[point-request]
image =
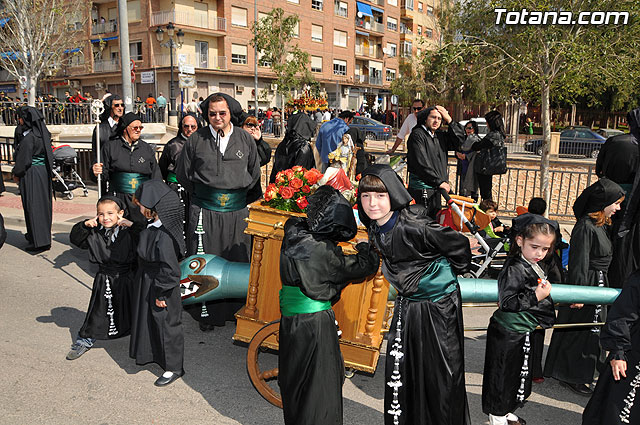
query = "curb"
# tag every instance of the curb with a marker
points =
(19, 222)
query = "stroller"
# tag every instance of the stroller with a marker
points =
(462, 215)
(66, 179)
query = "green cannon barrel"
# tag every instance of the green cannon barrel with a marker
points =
(486, 291)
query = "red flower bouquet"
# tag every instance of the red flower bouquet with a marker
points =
(290, 191)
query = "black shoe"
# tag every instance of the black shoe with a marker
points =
(163, 382)
(582, 389)
(206, 327)
(520, 421)
(35, 250)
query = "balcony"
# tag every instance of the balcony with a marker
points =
(370, 26)
(188, 19)
(368, 51)
(104, 28)
(367, 79)
(406, 52)
(215, 62)
(109, 65)
(405, 32)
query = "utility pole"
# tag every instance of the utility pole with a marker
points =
(125, 57)
(255, 51)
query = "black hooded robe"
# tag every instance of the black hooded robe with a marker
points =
(613, 402)
(574, 353)
(109, 312)
(295, 148)
(33, 164)
(507, 376)
(424, 371)
(310, 364)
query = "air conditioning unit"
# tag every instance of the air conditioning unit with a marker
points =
(345, 91)
(239, 89)
(99, 85)
(74, 84)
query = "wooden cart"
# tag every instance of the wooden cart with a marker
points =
(360, 312)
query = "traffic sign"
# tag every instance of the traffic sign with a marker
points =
(147, 77)
(187, 69)
(132, 65)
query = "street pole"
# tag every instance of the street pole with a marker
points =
(173, 114)
(125, 57)
(255, 51)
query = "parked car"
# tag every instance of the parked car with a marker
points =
(609, 132)
(372, 129)
(482, 126)
(574, 141)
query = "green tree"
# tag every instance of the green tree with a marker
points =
(274, 39)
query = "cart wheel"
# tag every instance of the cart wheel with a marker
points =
(258, 377)
(70, 195)
(349, 372)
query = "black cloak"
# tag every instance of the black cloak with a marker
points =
(295, 148)
(311, 369)
(34, 121)
(124, 122)
(597, 197)
(398, 194)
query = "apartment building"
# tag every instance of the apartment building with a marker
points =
(355, 47)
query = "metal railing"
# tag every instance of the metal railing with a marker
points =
(104, 27)
(370, 51)
(370, 26)
(213, 62)
(109, 65)
(189, 19)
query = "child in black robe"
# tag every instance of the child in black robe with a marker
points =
(112, 245)
(425, 352)
(156, 328)
(314, 270)
(524, 303)
(613, 400)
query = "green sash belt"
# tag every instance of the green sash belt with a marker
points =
(293, 301)
(221, 200)
(520, 322)
(37, 160)
(171, 177)
(416, 183)
(437, 282)
(127, 182)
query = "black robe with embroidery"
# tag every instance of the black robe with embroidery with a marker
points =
(156, 333)
(505, 353)
(311, 369)
(109, 312)
(295, 148)
(167, 164)
(432, 368)
(621, 337)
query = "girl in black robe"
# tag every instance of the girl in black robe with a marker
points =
(34, 161)
(574, 353)
(156, 328)
(112, 246)
(523, 291)
(314, 271)
(425, 353)
(613, 399)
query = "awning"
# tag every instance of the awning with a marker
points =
(3, 22)
(97, 40)
(77, 49)
(366, 34)
(364, 9)
(377, 9)
(9, 55)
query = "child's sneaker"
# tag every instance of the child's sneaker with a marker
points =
(76, 351)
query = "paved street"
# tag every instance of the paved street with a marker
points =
(43, 299)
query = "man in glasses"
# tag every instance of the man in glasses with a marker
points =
(127, 162)
(218, 165)
(113, 111)
(408, 124)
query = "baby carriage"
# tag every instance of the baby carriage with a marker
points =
(66, 179)
(463, 215)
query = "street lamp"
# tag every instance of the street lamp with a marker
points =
(173, 43)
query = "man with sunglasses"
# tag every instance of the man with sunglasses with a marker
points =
(408, 124)
(218, 165)
(127, 162)
(113, 111)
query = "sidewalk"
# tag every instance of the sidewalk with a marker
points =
(66, 212)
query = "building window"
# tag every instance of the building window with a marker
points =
(135, 50)
(316, 32)
(296, 30)
(406, 49)
(392, 49)
(294, 1)
(239, 54)
(420, 6)
(391, 74)
(133, 10)
(263, 62)
(340, 8)
(317, 4)
(393, 2)
(419, 29)
(238, 17)
(392, 24)
(202, 54)
(339, 67)
(339, 38)
(428, 33)
(316, 63)
(430, 10)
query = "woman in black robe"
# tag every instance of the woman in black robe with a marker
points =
(574, 353)
(314, 271)
(424, 374)
(495, 137)
(613, 399)
(295, 148)
(156, 327)
(127, 162)
(34, 162)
